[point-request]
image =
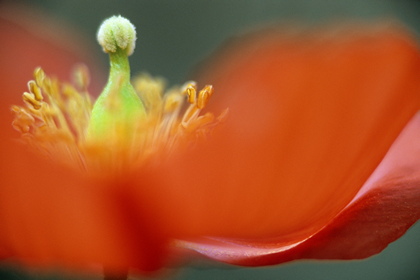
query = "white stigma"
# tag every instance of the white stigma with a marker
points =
(117, 32)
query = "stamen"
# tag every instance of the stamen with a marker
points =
(33, 88)
(53, 120)
(204, 96)
(39, 76)
(31, 99)
(191, 92)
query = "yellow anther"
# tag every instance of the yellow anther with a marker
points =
(204, 96)
(209, 89)
(191, 92)
(33, 88)
(50, 86)
(39, 76)
(30, 98)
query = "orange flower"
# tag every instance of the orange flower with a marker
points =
(290, 174)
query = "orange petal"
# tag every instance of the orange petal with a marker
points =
(33, 39)
(53, 216)
(386, 206)
(311, 117)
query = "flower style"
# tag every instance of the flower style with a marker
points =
(318, 157)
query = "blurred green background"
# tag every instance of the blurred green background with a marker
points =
(175, 35)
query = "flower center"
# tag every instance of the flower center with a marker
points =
(126, 127)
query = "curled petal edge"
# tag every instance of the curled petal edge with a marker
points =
(386, 206)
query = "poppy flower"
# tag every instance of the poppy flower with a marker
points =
(294, 171)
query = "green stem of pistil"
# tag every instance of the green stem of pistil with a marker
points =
(119, 66)
(118, 108)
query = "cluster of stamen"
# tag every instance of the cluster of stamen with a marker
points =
(56, 116)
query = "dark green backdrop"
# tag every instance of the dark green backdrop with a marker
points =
(174, 35)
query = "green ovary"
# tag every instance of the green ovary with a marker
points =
(118, 109)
